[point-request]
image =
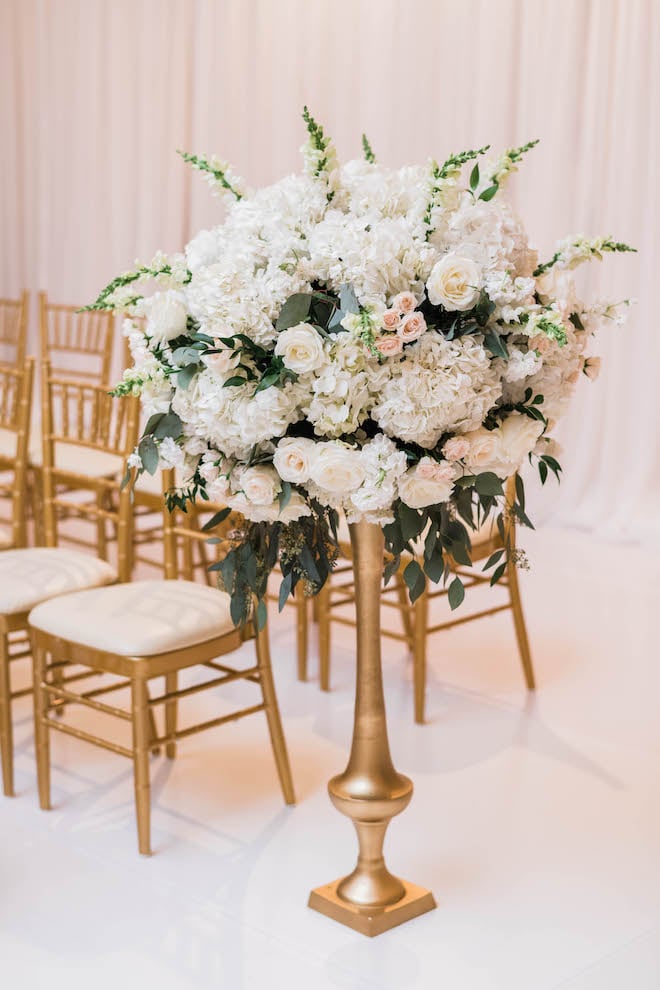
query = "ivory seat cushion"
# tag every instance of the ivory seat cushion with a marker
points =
(85, 461)
(32, 575)
(8, 442)
(142, 618)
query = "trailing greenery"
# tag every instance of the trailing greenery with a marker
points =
(103, 300)
(590, 249)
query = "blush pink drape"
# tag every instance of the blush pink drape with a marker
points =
(96, 95)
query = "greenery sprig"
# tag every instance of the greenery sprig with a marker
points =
(217, 171)
(441, 175)
(587, 249)
(103, 300)
(368, 151)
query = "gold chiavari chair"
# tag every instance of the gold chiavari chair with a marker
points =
(77, 344)
(13, 330)
(138, 632)
(415, 616)
(15, 410)
(84, 444)
(33, 574)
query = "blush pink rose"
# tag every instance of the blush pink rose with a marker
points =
(412, 327)
(391, 319)
(456, 448)
(389, 346)
(440, 471)
(405, 302)
(540, 342)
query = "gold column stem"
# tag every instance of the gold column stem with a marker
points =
(370, 791)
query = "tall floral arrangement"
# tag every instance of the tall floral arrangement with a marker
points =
(357, 339)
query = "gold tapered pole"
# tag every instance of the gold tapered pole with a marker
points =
(370, 791)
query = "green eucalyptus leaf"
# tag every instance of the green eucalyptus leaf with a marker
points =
(294, 311)
(348, 300)
(488, 483)
(148, 451)
(169, 426)
(488, 194)
(413, 575)
(495, 344)
(456, 593)
(285, 589)
(216, 519)
(474, 177)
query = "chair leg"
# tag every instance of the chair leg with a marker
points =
(101, 535)
(41, 730)
(519, 624)
(324, 602)
(406, 609)
(421, 612)
(273, 716)
(171, 684)
(141, 745)
(6, 730)
(301, 631)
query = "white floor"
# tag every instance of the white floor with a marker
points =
(536, 821)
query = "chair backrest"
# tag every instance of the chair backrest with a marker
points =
(15, 408)
(78, 345)
(83, 418)
(13, 330)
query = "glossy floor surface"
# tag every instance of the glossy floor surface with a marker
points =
(536, 821)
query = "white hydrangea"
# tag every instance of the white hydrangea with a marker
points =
(440, 386)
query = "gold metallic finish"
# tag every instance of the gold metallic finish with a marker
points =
(139, 671)
(370, 791)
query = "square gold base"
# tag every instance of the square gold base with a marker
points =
(371, 921)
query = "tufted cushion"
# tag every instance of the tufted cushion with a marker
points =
(35, 574)
(138, 619)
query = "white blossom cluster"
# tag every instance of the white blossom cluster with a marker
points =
(423, 380)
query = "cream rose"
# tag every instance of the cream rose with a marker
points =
(503, 450)
(389, 346)
(300, 347)
(224, 361)
(260, 484)
(423, 485)
(404, 302)
(412, 327)
(454, 283)
(337, 468)
(293, 458)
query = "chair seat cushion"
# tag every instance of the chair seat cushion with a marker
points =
(35, 574)
(7, 443)
(84, 461)
(142, 618)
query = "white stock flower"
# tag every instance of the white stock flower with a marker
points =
(454, 283)
(301, 348)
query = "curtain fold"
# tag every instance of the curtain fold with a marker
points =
(97, 95)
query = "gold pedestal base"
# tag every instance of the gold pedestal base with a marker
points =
(371, 921)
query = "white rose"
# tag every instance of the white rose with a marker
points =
(293, 458)
(167, 316)
(454, 283)
(295, 508)
(418, 488)
(260, 484)
(337, 468)
(301, 348)
(482, 450)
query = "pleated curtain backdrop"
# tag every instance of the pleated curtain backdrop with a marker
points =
(96, 95)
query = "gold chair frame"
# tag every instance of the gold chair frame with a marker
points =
(15, 412)
(415, 617)
(51, 654)
(66, 331)
(13, 327)
(14, 628)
